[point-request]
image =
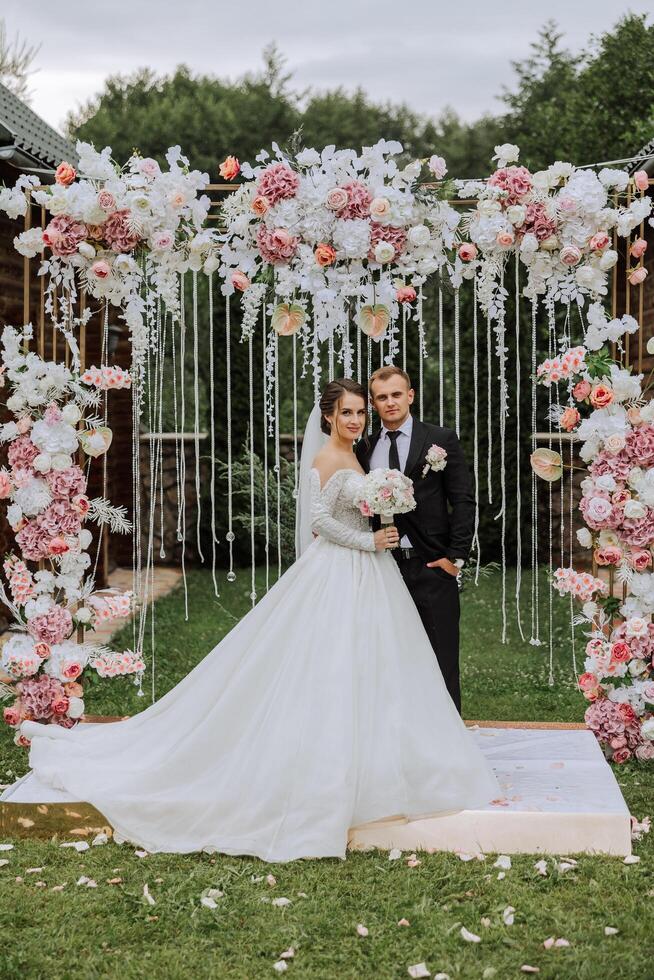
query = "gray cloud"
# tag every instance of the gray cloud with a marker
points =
(427, 54)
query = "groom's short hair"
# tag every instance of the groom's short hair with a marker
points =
(386, 372)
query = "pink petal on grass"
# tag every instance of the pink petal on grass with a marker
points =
(404, 922)
(361, 930)
(288, 954)
(271, 880)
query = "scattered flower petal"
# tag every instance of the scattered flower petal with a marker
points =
(100, 839)
(631, 859)
(6, 847)
(33, 871)
(501, 875)
(280, 966)
(58, 888)
(469, 937)
(503, 861)
(508, 915)
(147, 896)
(114, 881)
(208, 902)
(404, 922)
(541, 867)
(271, 880)
(361, 929)
(610, 931)
(418, 970)
(525, 968)
(279, 902)
(141, 854)
(288, 954)
(79, 845)
(485, 921)
(394, 854)
(3, 862)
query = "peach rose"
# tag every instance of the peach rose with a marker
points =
(641, 180)
(11, 715)
(505, 238)
(101, 269)
(42, 650)
(546, 464)
(620, 497)
(638, 248)
(601, 395)
(72, 671)
(634, 416)
(65, 174)
(405, 294)
(581, 390)
(22, 741)
(5, 485)
(615, 442)
(641, 559)
(60, 705)
(336, 199)
(380, 207)
(610, 555)
(570, 255)
(58, 546)
(620, 652)
(259, 205)
(467, 252)
(588, 682)
(599, 241)
(325, 254)
(73, 689)
(240, 281)
(569, 419)
(229, 168)
(81, 504)
(636, 276)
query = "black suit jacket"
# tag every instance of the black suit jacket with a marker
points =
(442, 525)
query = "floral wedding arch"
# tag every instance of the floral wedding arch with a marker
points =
(333, 248)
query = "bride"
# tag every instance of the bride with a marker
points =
(324, 708)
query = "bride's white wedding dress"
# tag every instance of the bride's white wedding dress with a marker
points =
(324, 708)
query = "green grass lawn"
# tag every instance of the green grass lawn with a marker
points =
(113, 931)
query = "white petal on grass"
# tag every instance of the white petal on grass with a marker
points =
(100, 839)
(418, 970)
(610, 931)
(361, 930)
(208, 902)
(271, 880)
(503, 861)
(141, 854)
(508, 915)
(78, 845)
(501, 875)
(4, 861)
(147, 896)
(33, 871)
(485, 921)
(631, 859)
(255, 879)
(525, 968)
(280, 902)
(6, 847)
(394, 854)
(469, 937)
(541, 867)
(288, 954)
(280, 966)
(441, 976)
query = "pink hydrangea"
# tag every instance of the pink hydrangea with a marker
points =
(66, 483)
(615, 726)
(52, 626)
(516, 181)
(640, 445)
(277, 182)
(638, 531)
(618, 465)
(640, 646)
(386, 233)
(276, 245)
(359, 200)
(22, 452)
(538, 222)
(63, 234)
(39, 694)
(59, 518)
(118, 232)
(33, 541)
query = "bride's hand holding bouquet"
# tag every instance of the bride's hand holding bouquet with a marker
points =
(386, 492)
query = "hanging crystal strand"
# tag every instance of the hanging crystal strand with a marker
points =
(266, 510)
(441, 380)
(162, 358)
(422, 353)
(181, 516)
(571, 539)
(551, 325)
(457, 365)
(489, 414)
(518, 460)
(330, 355)
(178, 475)
(503, 409)
(475, 459)
(358, 336)
(369, 365)
(535, 597)
(105, 481)
(278, 467)
(253, 566)
(315, 364)
(231, 574)
(404, 336)
(381, 351)
(347, 347)
(212, 440)
(196, 416)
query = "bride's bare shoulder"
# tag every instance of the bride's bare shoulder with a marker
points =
(327, 463)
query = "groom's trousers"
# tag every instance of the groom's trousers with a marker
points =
(436, 595)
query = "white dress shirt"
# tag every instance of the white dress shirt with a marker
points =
(379, 458)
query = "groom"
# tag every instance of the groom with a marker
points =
(434, 539)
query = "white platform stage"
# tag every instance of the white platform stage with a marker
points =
(560, 797)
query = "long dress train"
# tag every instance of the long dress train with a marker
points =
(324, 708)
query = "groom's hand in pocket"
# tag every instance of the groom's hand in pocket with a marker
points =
(447, 566)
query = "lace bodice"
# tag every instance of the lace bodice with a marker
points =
(335, 516)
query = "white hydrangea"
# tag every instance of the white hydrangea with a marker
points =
(352, 238)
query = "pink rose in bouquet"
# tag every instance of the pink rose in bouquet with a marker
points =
(610, 555)
(514, 181)
(386, 233)
(538, 222)
(617, 465)
(359, 200)
(276, 245)
(64, 234)
(581, 390)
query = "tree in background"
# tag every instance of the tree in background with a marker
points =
(16, 58)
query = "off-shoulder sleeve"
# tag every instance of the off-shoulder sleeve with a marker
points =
(327, 525)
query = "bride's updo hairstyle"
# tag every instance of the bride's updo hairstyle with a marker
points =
(331, 397)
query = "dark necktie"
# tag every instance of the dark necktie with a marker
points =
(393, 455)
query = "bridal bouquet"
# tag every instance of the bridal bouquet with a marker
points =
(385, 492)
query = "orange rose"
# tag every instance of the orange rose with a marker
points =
(325, 254)
(601, 395)
(569, 419)
(65, 174)
(229, 168)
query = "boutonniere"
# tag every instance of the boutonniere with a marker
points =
(435, 460)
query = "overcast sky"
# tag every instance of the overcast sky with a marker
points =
(427, 53)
